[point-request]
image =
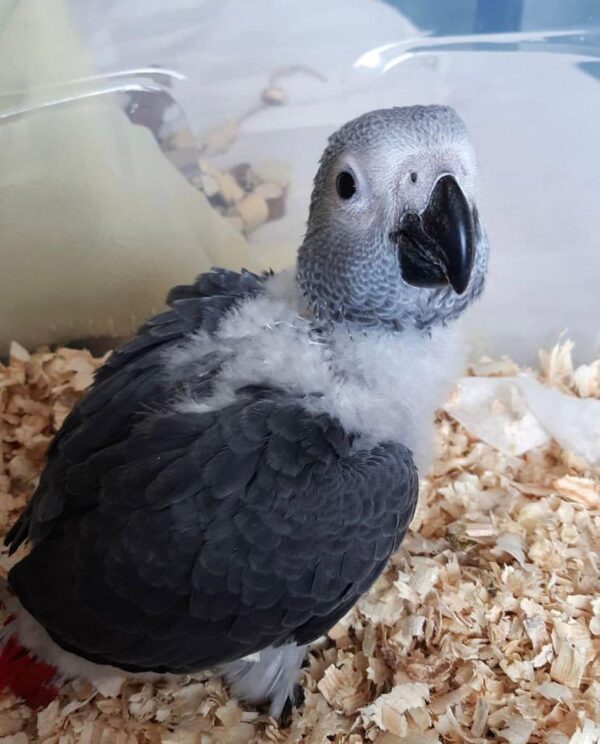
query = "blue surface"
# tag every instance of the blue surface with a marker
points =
(454, 17)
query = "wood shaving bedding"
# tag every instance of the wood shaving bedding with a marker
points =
(484, 627)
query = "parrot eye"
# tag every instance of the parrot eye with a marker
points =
(413, 177)
(345, 185)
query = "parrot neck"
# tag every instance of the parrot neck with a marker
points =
(387, 385)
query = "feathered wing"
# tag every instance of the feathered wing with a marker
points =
(216, 534)
(126, 387)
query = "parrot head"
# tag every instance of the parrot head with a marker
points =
(393, 236)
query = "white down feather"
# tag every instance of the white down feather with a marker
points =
(380, 385)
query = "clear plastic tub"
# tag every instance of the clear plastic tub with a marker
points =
(114, 115)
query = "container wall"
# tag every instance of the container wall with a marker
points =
(142, 142)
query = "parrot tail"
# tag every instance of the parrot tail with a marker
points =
(23, 674)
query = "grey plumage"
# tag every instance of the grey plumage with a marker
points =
(347, 265)
(272, 676)
(240, 471)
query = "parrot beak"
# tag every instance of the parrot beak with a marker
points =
(436, 247)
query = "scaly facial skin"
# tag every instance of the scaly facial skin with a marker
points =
(393, 237)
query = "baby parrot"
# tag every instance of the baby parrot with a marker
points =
(240, 471)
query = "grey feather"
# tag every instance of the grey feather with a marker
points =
(273, 676)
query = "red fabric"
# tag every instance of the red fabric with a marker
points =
(25, 676)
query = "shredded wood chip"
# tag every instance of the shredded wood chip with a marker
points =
(584, 491)
(388, 711)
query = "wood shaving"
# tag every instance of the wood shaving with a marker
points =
(247, 196)
(253, 210)
(275, 95)
(219, 138)
(484, 627)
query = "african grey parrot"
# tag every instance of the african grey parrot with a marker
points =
(240, 472)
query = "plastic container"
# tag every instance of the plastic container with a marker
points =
(114, 115)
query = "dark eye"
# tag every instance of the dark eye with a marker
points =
(413, 177)
(345, 185)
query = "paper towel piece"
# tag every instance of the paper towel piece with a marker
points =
(495, 411)
(517, 414)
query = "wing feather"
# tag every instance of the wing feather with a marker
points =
(127, 386)
(217, 551)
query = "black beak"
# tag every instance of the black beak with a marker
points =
(436, 247)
